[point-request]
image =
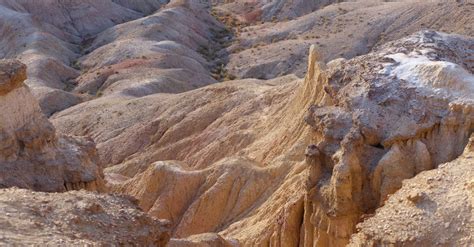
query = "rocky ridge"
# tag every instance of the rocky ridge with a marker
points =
(49, 44)
(153, 54)
(372, 122)
(32, 154)
(268, 47)
(387, 120)
(280, 162)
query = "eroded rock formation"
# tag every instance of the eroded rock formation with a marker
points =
(254, 162)
(32, 155)
(76, 218)
(369, 126)
(431, 209)
(274, 36)
(251, 181)
(393, 114)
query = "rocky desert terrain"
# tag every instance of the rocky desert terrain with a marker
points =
(236, 123)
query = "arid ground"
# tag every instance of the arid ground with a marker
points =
(237, 123)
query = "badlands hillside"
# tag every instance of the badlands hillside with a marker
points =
(237, 123)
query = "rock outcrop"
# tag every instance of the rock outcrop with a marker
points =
(393, 113)
(287, 161)
(76, 218)
(432, 209)
(32, 155)
(371, 123)
(310, 160)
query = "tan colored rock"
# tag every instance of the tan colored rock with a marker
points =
(32, 155)
(260, 123)
(439, 212)
(202, 240)
(281, 162)
(12, 76)
(248, 178)
(397, 165)
(275, 36)
(371, 151)
(75, 218)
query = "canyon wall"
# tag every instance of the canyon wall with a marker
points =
(386, 122)
(367, 124)
(316, 156)
(33, 156)
(431, 209)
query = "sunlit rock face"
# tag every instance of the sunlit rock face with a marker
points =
(32, 155)
(432, 209)
(310, 158)
(275, 158)
(394, 113)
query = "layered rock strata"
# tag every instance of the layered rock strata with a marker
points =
(288, 162)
